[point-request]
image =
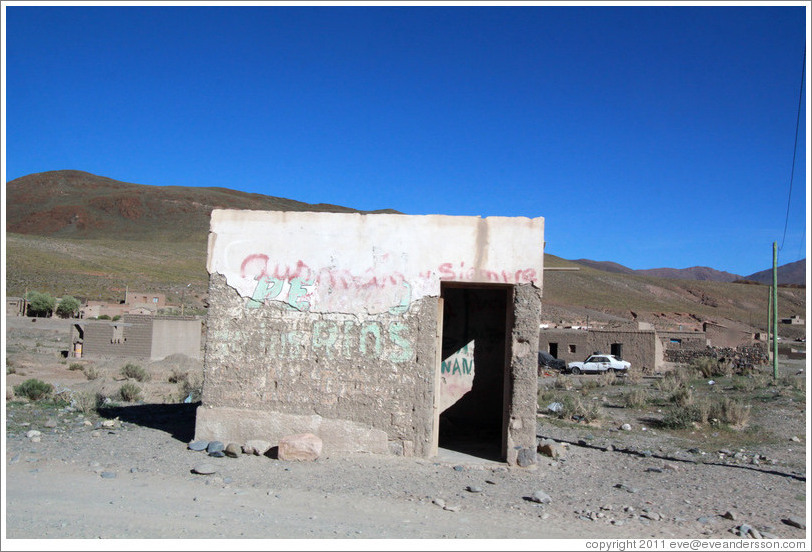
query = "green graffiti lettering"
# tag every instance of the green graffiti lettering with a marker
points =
(467, 366)
(405, 353)
(267, 288)
(346, 345)
(405, 300)
(325, 335)
(297, 291)
(456, 369)
(373, 329)
(444, 367)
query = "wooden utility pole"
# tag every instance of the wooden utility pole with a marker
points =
(775, 310)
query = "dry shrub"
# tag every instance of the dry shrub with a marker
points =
(729, 411)
(133, 371)
(668, 383)
(87, 401)
(130, 392)
(178, 376)
(633, 376)
(75, 366)
(683, 396)
(574, 408)
(636, 398)
(607, 379)
(91, 372)
(563, 382)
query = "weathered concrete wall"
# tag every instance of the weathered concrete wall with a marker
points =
(333, 318)
(522, 393)
(175, 336)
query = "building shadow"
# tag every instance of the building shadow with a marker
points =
(178, 420)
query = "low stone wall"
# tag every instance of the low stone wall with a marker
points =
(746, 356)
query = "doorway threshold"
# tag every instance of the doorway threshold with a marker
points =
(448, 456)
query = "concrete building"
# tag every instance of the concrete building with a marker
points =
(378, 333)
(137, 336)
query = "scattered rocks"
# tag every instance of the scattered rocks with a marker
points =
(215, 446)
(50, 423)
(257, 447)
(627, 488)
(626, 427)
(473, 489)
(300, 447)
(540, 497)
(108, 475)
(551, 449)
(794, 521)
(730, 515)
(204, 469)
(526, 457)
(232, 450)
(198, 445)
(31, 433)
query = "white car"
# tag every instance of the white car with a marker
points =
(599, 363)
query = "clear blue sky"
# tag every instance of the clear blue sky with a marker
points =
(651, 136)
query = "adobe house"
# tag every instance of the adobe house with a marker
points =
(378, 333)
(637, 344)
(137, 336)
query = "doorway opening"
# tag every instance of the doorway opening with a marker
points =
(473, 382)
(553, 350)
(617, 350)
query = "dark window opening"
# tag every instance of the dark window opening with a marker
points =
(572, 349)
(616, 350)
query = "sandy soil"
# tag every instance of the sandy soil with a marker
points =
(134, 479)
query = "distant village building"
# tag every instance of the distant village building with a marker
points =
(135, 302)
(138, 336)
(15, 306)
(794, 320)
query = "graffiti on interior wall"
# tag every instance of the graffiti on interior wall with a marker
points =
(328, 339)
(326, 290)
(456, 376)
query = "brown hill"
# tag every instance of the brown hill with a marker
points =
(790, 273)
(76, 204)
(692, 273)
(607, 266)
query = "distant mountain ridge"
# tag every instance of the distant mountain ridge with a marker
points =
(790, 273)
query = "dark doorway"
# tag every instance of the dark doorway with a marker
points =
(475, 324)
(616, 350)
(553, 350)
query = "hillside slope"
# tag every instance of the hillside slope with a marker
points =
(75, 233)
(76, 204)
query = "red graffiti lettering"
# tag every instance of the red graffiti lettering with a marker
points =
(254, 266)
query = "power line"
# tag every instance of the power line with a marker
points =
(795, 148)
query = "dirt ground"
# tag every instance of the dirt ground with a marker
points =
(124, 471)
